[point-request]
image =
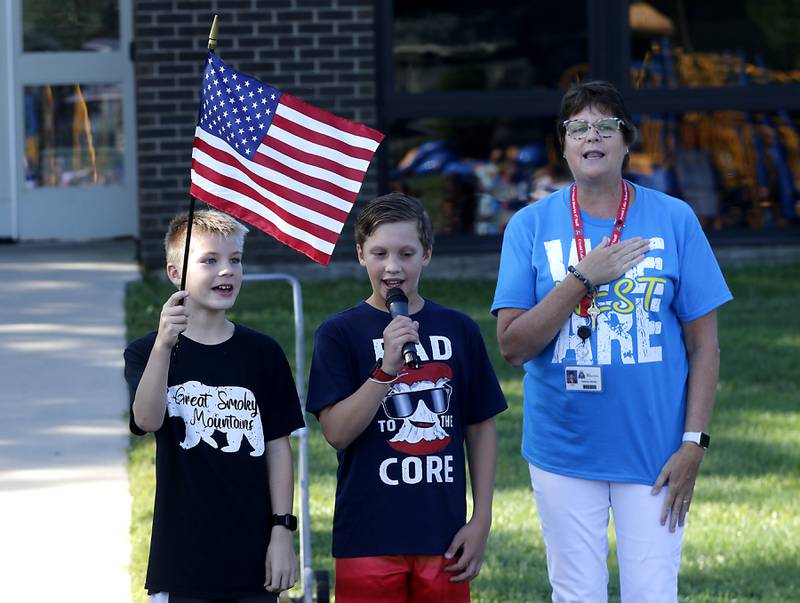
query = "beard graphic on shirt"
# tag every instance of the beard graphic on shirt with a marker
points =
(421, 432)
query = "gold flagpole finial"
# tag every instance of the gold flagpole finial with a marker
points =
(212, 36)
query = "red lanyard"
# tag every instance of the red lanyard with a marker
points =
(577, 227)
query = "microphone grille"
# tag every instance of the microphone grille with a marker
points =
(395, 294)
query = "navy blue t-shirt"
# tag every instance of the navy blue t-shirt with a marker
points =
(401, 485)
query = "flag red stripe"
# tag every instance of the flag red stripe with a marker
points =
(315, 160)
(261, 223)
(319, 138)
(289, 194)
(239, 187)
(330, 119)
(317, 183)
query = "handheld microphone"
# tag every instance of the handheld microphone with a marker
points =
(397, 304)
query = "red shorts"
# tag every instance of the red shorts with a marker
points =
(398, 579)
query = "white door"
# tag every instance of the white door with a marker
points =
(8, 205)
(74, 132)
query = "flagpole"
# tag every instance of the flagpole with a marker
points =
(213, 34)
(212, 46)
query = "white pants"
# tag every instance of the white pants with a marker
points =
(574, 517)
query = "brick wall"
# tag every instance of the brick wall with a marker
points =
(321, 51)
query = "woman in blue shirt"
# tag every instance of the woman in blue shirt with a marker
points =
(607, 295)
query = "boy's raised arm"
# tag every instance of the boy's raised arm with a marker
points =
(150, 402)
(344, 421)
(481, 440)
(280, 564)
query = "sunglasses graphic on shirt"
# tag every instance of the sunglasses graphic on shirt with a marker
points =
(403, 404)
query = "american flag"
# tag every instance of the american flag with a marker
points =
(282, 165)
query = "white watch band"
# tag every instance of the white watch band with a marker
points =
(696, 437)
(692, 436)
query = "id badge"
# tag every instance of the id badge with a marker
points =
(583, 379)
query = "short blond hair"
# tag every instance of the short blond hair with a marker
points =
(207, 221)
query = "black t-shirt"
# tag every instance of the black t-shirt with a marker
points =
(401, 484)
(212, 508)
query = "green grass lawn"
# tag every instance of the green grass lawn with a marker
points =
(743, 539)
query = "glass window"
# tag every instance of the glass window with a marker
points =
(677, 43)
(444, 45)
(735, 169)
(473, 174)
(73, 135)
(70, 25)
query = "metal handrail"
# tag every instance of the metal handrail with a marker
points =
(307, 573)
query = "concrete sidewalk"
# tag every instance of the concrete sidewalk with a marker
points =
(64, 502)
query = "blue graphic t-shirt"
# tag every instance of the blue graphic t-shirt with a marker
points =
(401, 485)
(628, 431)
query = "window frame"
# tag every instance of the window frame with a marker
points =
(608, 40)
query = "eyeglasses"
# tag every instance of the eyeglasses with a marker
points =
(577, 129)
(402, 405)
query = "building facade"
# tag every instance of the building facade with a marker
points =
(103, 95)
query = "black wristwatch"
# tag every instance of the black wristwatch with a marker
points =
(288, 521)
(700, 438)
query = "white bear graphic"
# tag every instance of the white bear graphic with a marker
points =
(205, 409)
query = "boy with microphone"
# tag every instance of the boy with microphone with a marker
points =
(399, 395)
